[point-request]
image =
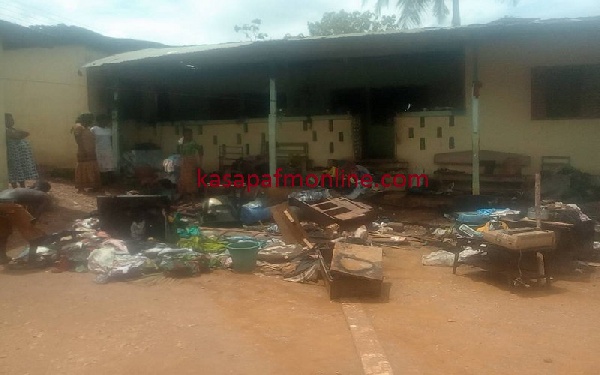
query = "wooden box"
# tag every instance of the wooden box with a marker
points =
(521, 239)
(351, 270)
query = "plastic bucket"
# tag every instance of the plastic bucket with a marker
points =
(243, 255)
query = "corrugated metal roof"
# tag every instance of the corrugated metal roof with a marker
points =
(265, 50)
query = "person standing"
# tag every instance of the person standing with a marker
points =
(104, 152)
(87, 174)
(190, 152)
(21, 165)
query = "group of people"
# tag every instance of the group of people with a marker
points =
(95, 161)
(20, 207)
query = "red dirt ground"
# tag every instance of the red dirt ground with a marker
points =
(224, 323)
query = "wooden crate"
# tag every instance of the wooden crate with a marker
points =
(351, 270)
(521, 239)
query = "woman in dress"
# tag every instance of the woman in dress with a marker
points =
(104, 152)
(21, 165)
(87, 174)
(190, 152)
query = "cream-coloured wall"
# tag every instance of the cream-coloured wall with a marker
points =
(409, 149)
(505, 107)
(45, 90)
(3, 165)
(288, 130)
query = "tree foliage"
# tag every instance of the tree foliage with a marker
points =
(342, 22)
(412, 10)
(251, 30)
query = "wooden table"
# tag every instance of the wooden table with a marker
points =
(512, 263)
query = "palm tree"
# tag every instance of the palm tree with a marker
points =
(411, 10)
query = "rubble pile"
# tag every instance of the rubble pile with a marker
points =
(312, 235)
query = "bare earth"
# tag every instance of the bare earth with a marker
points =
(224, 323)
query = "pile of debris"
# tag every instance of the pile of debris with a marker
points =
(337, 240)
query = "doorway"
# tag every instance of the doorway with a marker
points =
(376, 108)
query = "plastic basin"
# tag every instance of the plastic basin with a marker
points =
(243, 255)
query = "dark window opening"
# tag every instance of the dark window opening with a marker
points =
(565, 92)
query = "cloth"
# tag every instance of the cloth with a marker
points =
(21, 165)
(171, 163)
(15, 215)
(188, 183)
(496, 212)
(104, 152)
(87, 175)
(169, 166)
(33, 200)
(86, 143)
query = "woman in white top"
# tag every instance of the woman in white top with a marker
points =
(104, 152)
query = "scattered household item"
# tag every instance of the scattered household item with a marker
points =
(351, 270)
(493, 224)
(244, 255)
(444, 258)
(255, 212)
(219, 210)
(118, 213)
(466, 231)
(310, 196)
(544, 213)
(438, 258)
(289, 225)
(335, 210)
(521, 239)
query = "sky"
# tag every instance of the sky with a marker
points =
(187, 22)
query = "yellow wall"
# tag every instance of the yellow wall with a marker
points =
(505, 102)
(45, 90)
(288, 130)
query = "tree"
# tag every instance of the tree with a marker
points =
(251, 30)
(343, 22)
(412, 10)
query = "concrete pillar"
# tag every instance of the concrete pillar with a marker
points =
(272, 128)
(3, 161)
(475, 123)
(116, 136)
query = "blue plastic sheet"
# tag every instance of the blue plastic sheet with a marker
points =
(480, 216)
(254, 212)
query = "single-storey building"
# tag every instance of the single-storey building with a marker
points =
(517, 86)
(45, 87)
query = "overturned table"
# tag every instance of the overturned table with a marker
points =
(509, 247)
